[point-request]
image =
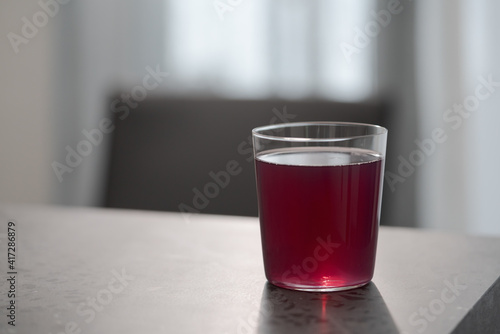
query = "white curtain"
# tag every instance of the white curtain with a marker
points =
(458, 52)
(260, 48)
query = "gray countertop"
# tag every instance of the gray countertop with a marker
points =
(122, 271)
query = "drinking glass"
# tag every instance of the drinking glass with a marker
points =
(319, 188)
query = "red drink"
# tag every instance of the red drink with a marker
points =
(319, 215)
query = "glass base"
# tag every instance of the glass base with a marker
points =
(307, 288)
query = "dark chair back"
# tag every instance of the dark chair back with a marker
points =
(176, 155)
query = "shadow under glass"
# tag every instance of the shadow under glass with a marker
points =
(361, 310)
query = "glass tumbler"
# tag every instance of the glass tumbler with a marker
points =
(319, 188)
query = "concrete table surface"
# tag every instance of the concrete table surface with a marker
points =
(81, 270)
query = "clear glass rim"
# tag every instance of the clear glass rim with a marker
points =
(256, 132)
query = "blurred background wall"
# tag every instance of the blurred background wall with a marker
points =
(435, 63)
(26, 136)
